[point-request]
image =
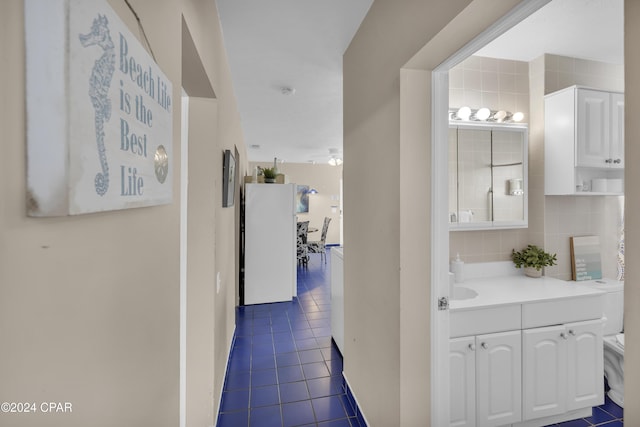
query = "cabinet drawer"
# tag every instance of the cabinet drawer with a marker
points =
(555, 312)
(484, 321)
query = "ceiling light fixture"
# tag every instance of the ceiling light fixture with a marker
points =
(335, 161)
(484, 114)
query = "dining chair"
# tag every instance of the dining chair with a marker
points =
(318, 247)
(301, 242)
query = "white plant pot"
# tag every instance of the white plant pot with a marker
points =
(532, 272)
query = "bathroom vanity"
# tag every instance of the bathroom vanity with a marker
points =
(524, 351)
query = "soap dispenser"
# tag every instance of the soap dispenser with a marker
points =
(457, 268)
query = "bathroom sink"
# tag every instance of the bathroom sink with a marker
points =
(460, 292)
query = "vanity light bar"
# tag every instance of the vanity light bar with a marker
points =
(485, 115)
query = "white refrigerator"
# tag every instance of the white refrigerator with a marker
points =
(270, 243)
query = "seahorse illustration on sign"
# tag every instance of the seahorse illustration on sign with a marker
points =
(99, 84)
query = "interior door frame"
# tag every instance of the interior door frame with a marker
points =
(440, 400)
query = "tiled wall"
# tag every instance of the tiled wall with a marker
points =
(552, 219)
(566, 216)
(498, 85)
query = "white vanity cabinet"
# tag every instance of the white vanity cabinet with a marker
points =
(525, 352)
(562, 368)
(584, 141)
(600, 129)
(486, 380)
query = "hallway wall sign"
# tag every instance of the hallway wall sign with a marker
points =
(99, 113)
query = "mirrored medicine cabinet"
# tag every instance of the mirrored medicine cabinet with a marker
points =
(488, 176)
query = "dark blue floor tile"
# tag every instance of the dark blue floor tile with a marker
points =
(290, 374)
(612, 408)
(322, 387)
(328, 408)
(315, 370)
(575, 423)
(599, 416)
(233, 419)
(616, 423)
(264, 396)
(264, 339)
(336, 423)
(263, 362)
(263, 377)
(235, 400)
(240, 364)
(297, 413)
(293, 392)
(285, 347)
(302, 334)
(320, 323)
(319, 315)
(310, 356)
(287, 359)
(282, 336)
(237, 380)
(324, 341)
(307, 344)
(280, 327)
(268, 416)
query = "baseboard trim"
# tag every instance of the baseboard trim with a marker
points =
(351, 397)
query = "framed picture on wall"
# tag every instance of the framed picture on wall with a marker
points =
(228, 179)
(302, 199)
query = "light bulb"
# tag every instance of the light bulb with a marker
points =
(517, 117)
(500, 116)
(464, 113)
(483, 113)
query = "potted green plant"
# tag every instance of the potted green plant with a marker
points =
(269, 174)
(532, 258)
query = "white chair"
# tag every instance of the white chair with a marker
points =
(319, 247)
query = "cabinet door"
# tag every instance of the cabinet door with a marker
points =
(593, 138)
(462, 382)
(499, 378)
(585, 368)
(544, 371)
(617, 130)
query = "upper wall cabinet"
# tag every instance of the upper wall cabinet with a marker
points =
(584, 142)
(487, 176)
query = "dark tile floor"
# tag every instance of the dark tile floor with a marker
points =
(607, 415)
(284, 369)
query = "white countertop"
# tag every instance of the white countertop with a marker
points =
(518, 289)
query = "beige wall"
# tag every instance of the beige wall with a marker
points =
(324, 178)
(387, 285)
(89, 305)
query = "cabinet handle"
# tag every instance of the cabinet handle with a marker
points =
(484, 345)
(572, 332)
(617, 161)
(472, 347)
(608, 161)
(563, 335)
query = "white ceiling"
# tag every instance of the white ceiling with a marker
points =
(298, 44)
(585, 29)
